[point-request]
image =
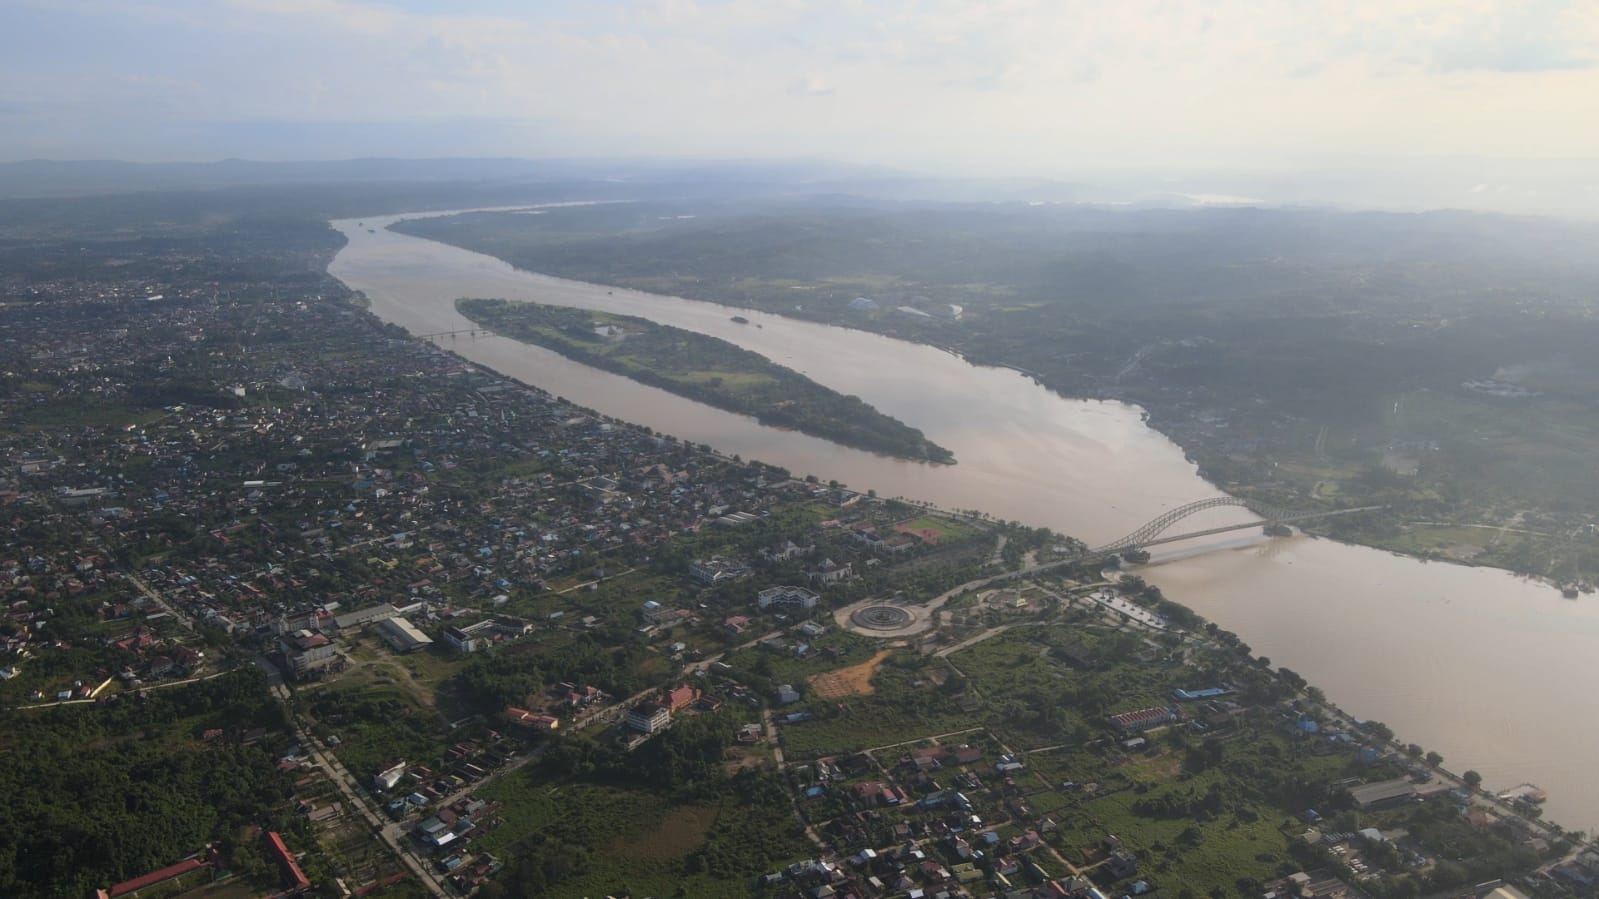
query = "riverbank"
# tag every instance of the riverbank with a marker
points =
(1282, 405)
(1094, 469)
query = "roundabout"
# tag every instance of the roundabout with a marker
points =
(881, 618)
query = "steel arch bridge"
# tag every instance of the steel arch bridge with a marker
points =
(1151, 532)
(1158, 525)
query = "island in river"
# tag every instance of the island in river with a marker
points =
(705, 369)
(1438, 365)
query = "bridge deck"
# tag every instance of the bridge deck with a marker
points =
(1126, 543)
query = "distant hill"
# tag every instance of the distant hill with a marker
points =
(41, 178)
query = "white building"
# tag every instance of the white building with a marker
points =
(402, 636)
(649, 717)
(829, 572)
(359, 617)
(786, 597)
(307, 652)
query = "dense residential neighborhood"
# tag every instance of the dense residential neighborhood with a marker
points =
(455, 636)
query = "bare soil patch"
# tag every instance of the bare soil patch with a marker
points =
(1165, 766)
(742, 758)
(856, 680)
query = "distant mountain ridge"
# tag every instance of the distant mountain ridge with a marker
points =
(39, 177)
(1566, 188)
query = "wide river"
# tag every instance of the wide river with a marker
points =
(1492, 671)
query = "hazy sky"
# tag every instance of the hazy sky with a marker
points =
(1030, 86)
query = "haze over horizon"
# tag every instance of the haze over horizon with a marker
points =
(1497, 96)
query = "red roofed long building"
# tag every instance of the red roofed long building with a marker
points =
(280, 853)
(144, 882)
(1142, 720)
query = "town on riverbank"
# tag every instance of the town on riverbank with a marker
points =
(354, 614)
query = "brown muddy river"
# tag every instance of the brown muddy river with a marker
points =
(1491, 671)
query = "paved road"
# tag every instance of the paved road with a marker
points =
(347, 784)
(160, 600)
(979, 637)
(771, 736)
(998, 558)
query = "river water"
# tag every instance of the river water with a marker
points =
(1491, 671)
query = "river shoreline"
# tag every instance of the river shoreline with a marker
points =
(1156, 415)
(1382, 635)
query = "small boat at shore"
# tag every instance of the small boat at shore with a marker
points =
(739, 319)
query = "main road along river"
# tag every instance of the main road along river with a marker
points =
(1494, 672)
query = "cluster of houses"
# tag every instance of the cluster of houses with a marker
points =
(944, 820)
(144, 645)
(446, 835)
(563, 702)
(822, 573)
(260, 521)
(408, 788)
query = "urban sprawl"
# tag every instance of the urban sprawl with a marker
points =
(472, 638)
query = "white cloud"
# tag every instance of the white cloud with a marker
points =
(1025, 84)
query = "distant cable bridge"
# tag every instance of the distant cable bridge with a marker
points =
(1150, 534)
(462, 332)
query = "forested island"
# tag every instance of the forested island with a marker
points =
(705, 369)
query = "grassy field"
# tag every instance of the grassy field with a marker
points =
(1243, 831)
(947, 529)
(1460, 542)
(642, 842)
(786, 668)
(1039, 700)
(676, 833)
(378, 719)
(906, 705)
(528, 805)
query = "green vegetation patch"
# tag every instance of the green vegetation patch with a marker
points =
(592, 820)
(96, 795)
(378, 723)
(705, 369)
